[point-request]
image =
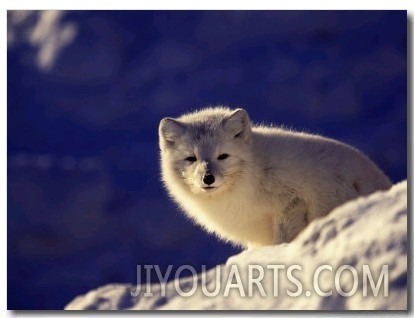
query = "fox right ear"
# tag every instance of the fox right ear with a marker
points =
(169, 131)
(239, 124)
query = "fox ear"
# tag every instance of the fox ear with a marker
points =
(239, 124)
(169, 131)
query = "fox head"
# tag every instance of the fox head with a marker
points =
(206, 151)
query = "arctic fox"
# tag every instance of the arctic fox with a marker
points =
(255, 185)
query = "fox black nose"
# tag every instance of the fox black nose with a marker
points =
(208, 179)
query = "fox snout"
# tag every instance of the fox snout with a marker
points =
(208, 176)
(208, 179)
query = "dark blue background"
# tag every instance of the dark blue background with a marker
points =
(85, 203)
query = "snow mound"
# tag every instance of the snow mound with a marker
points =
(367, 235)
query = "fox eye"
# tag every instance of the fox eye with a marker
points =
(191, 159)
(223, 156)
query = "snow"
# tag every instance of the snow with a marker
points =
(370, 231)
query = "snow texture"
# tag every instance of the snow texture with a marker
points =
(367, 231)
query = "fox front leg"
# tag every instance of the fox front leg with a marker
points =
(294, 220)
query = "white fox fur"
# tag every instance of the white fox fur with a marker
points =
(258, 185)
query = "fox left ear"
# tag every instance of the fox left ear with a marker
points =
(239, 124)
(169, 131)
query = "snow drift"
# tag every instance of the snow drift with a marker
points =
(367, 234)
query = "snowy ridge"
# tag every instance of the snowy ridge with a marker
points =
(369, 231)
